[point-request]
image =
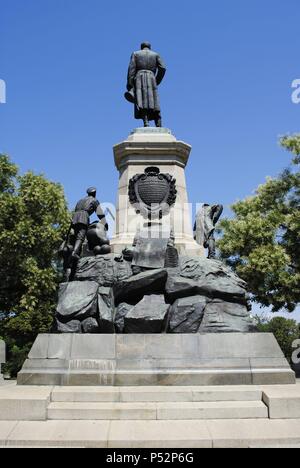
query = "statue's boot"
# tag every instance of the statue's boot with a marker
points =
(211, 244)
(146, 121)
(76, 252)
(67, 275)
(158, 123)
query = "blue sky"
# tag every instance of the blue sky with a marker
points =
(227, 91)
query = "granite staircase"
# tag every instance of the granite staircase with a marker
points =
(150, 417)
(155, 403)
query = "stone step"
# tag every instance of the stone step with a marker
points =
(283, 402)
(158, 411)
(151, 434)
(155, 394)
(275, 446)
(24, 403)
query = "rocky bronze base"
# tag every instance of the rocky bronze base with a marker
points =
(111, 295)
(146, 360)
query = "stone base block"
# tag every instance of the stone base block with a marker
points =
(147, 360)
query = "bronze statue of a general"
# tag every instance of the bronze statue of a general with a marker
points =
(146, 72)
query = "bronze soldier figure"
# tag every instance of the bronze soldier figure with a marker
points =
(81, 220)
(205, 226)
(146, 72)
(80, 228)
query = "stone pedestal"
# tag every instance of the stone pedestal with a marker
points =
(2, 358)
(156, 360)
(148, 147)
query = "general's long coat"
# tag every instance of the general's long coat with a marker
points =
(146, 71)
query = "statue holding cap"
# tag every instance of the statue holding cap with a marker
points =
(146, 72)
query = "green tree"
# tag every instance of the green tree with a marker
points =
(262, 241)
(33, 222)
(286, 331)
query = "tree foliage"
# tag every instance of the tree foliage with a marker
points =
(33, 221)
(262, 241)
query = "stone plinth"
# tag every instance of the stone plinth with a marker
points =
(2, 358)
(149, 360)
(148, 147)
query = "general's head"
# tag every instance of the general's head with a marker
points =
(146, 45)
(92, 191)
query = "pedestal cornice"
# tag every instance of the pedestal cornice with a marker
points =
(151, 147)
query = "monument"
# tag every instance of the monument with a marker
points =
(2, 358)
(148, 307)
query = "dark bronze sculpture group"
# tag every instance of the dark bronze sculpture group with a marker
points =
(150, 287)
